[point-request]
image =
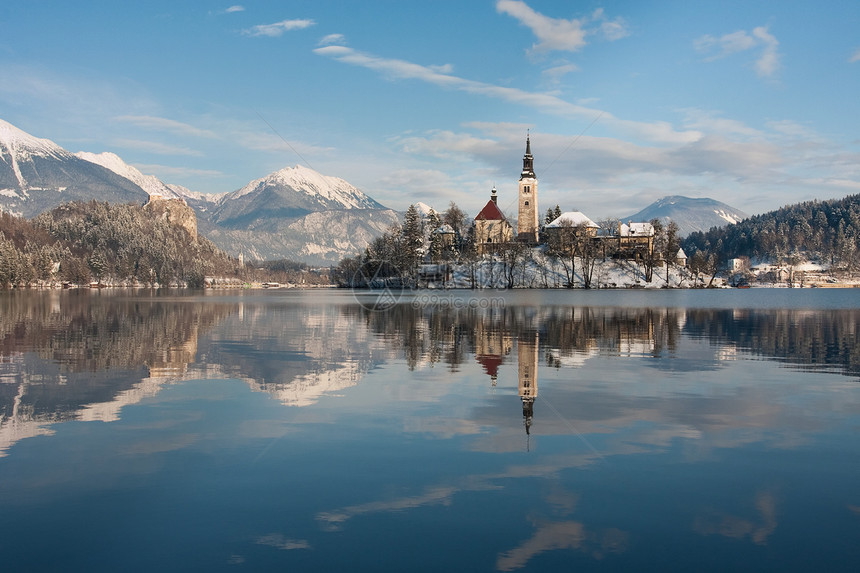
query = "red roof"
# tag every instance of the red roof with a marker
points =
(490, 212)
(490, 362)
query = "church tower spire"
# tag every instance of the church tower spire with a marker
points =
(527, 219)
(528, 160)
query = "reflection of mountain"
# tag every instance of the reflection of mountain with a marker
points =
(295, 352)
(78, 355)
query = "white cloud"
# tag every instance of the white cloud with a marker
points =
(278, 28)
(235, 8)
(558, 34)
(768, 61)
(611, 29)
(855, 57)
(552, 33)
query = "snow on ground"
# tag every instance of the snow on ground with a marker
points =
(542, 272)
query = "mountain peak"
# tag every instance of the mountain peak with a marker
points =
(21, 145)
(690, 214)
(330, 192)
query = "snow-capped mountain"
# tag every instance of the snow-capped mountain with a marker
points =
(294, 213)
(288, 193)
(424, 209)
(149, 183)
(689, 214)
(37, 175)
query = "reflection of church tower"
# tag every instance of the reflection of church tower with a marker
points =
(527, 354)
(527, 219)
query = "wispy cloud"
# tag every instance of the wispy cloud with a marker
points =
(157, 147)
(278, 28)
(559, 34)
(766, 64)
(555, 73)
(855, 57)
(332, 40)
(543, 102)
(165, 124)
(235, 8)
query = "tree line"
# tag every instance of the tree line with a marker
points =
(822, 231)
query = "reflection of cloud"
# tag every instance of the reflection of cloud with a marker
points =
(433, 496)
(552, 536)
(443, 494)
(278, 541)
(719, 523)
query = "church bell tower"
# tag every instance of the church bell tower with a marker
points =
(527, 218)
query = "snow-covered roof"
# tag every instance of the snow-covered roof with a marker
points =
(576, 218)
(681, 254)
(445, 229)
(636, 230)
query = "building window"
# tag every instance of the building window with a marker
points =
(527, 204)
(527, 189)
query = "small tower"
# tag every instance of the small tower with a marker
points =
(527, 219)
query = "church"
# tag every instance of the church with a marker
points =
(492, 227)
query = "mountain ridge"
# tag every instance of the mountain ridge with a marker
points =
(690, 214)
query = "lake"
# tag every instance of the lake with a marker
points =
(530, 430)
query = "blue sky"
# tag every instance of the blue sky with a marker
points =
(751, 103)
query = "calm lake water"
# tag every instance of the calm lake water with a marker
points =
(522, 431)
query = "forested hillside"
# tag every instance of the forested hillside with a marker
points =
(115, 244)
(824, 231)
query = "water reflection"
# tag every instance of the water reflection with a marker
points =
(580, 434)
(82, 355)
